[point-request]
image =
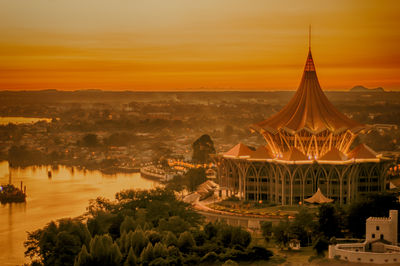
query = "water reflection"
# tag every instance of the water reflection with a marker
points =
(66, 194)
(21, 120)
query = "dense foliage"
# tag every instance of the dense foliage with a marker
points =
(376, 205)
(202, 148)
(330, 222)
(140, 228)
(189, 180)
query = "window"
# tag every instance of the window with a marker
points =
(377, 228)
(373, 235)
(381, 236)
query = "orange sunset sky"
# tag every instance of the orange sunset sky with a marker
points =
(196, 45)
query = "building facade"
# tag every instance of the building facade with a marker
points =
(307, 147)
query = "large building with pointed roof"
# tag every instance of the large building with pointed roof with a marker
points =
(307, 151)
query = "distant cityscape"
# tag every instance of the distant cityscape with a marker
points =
(129, 129)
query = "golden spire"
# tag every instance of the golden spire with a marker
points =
(309, 37)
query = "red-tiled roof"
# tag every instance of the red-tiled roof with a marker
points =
(362, 151)
(294, 155)
(334, 155)
(261, 153)
(239, 150)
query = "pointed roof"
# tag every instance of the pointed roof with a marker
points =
(362, 151)
(261, 153)
(318, 197)
(294, 154)
(239, 150)
(309, 109)
(333, 155)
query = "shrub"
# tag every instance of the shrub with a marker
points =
(170, 239)
(127, 225)
(230, 263)
(210, 257)
(186, 241)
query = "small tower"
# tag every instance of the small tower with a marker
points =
(394, 216)
(384, 228)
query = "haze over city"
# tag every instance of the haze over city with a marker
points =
(196, 45)
(180, 132)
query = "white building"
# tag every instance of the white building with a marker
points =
(380, 245)
(382, 228)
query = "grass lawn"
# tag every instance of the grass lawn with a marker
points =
(259, 209)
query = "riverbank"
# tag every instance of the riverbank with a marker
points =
(65, 194)
(111, 170)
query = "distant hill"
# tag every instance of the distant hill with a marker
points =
(360, 88)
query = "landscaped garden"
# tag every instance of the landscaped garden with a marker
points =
(233, 205)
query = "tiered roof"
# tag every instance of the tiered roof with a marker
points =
(319, 198)
(309, 109)
(308, 129)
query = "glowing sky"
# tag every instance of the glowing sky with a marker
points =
(197, 45)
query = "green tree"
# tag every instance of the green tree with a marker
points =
(83, 257)
(160, 250)
(282, 233)
(170, 239)
(138, 241)
(266, 229)
(202, 148)
(147, 254)
(90, 140)
(58, 242)
(195, 177)
(230, 263)
(131, 259)
(103, 252)
(240, 237)
(303, 227)
(153, 236)
(329, 220)
(186, 241)
(320, 245)
(127, 225)
(174, 224)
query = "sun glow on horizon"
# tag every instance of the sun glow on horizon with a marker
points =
(204, 45)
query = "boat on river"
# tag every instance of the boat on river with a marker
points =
(10, 194)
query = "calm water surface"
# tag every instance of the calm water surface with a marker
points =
(4, 120)
(66, 194)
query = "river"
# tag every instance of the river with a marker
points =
(4, 120)
(66, 194)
